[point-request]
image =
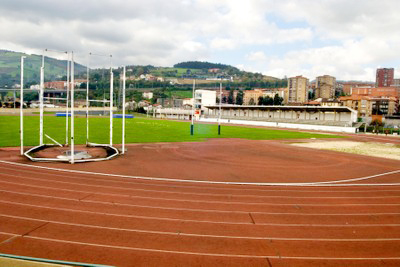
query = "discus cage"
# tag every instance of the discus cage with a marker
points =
(70, 154)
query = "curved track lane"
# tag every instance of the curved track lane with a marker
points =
(119, 221)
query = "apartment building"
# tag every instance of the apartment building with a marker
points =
(367, 106)
(203, 98)
(348, 86)
(297, 90)
(251, 96)
(377, 92)
(325, 86)
(396, 83)
(384, 77)
(271, 92)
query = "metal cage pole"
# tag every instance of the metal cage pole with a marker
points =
(41, 101)
(193, 104)
(72, 109)
(87, 101)
(123, 110)
(67, 102)
(219, 114)
(21, 106)
(111, 104)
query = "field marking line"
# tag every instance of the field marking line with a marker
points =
(178, 193)
(201, 235)
(327, 183)
(201, 253)
(192, 187)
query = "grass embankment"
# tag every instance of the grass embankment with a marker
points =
(138, 130)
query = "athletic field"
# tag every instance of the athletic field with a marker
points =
(221, 202)
(138, 130)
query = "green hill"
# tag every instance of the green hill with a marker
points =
(10, 68)
(203, 65)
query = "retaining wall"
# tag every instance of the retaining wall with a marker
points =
(287, 125)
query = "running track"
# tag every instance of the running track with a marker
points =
(112, 220)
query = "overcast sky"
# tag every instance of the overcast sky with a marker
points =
(348, 39)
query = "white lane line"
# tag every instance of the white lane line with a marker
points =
(205, 235)
(132, 197)
(13, 236)
(191, 193)
(252, 189)
(226, 222)
(204, 254)
(113, 204)
(326, 183)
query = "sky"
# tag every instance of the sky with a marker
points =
(342, 38)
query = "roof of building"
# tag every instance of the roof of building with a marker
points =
(285, 108)
(312, 103)
(366, 97)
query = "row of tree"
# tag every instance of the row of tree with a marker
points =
(261, 101)
(269, 101)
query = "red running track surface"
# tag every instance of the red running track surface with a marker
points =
(125, 221)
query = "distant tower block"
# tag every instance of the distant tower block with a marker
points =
(384, 77)
(297, 90)
(325, 87)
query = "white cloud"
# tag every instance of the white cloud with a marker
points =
(223, 43)
(256, 56)
(344, 38)
(347, 61)
(341, 19)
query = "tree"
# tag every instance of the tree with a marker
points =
(260, 100)
(135, 95)
(159, 93)
(268, 101)
(311, 94)
(140, 71)
(239, 98)
(231, 99)
(277, 100)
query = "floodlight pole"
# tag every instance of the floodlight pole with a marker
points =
(219, 115)
(193, 104)
(41, 101)
(123, 109)
(111, 103)
(21, 106)
(72, 109)
(87, 101)
(67, 102)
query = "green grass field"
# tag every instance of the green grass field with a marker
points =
(182, 94)
(179, 71)
(138, 130)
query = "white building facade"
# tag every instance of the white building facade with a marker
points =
(203, 98)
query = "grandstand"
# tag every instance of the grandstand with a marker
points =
(328, 116)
